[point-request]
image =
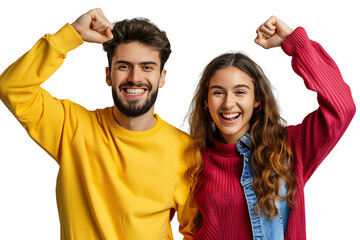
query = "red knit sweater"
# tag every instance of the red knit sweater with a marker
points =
(220, 198)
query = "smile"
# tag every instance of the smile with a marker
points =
(136, 91)
(133, 92)
(229, 116)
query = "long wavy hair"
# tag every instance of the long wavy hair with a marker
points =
(271, 153)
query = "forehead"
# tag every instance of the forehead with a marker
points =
(136, 52)
(229, 77)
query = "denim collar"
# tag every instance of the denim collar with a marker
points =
(244, 141)
(243, 146)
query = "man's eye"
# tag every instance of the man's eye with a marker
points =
(148, 68)
(124, 67)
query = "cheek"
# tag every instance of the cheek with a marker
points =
(213, 115)
(213, 106)
(249, 108)
(155, 79)
(116, 78)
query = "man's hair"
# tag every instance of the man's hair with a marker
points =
(138, 30)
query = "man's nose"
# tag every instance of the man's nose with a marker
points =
(135, 75)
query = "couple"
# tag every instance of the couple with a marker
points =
(124, 171)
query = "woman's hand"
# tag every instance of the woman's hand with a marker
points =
(272, 33)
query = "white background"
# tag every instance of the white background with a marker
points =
(198, 31)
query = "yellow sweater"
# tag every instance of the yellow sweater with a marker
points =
(112, 183)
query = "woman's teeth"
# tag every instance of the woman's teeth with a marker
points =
(230, 116)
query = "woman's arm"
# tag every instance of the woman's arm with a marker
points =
(313, 139)
(316, 136)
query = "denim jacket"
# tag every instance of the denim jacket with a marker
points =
(262, 227)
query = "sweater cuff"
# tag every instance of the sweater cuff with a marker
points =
(66, 39)
(296, 41)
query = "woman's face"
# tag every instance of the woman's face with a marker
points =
(231, 102)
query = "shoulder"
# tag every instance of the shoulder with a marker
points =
(172, 130)
(175, 138)
(77, 113)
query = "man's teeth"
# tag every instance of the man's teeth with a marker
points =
(231, 115)
(135, 91)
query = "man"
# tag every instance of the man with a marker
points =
(121, 168)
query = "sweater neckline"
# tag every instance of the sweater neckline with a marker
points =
(132, 134)
(225, 149)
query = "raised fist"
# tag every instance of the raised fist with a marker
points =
(272, 33)
(93, 26)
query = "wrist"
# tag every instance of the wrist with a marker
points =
(77, 28)
(288, 32)
(295, 41)
(67, 38)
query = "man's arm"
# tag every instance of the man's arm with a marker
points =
(189, 218)
(42, 115)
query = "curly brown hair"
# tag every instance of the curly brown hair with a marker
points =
(271, 153)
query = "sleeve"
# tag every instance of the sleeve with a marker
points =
(42, 115)
(316, 136)
(188, 215)
(189, 218)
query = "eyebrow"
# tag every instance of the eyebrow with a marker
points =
(141, 63)
(237, 86)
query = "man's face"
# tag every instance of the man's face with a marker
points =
(135, 78)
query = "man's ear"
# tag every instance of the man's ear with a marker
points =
(108, 76)
(162, 78)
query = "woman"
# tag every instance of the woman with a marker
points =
(250, 183)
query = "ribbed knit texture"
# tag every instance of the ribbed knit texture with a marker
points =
(221, 198)
(311, 141)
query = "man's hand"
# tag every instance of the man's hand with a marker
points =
(272, 33)
(93, 26)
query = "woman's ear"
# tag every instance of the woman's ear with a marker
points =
(108, 76)
(257, 106)
(206, 105)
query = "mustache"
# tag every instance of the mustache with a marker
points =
(131, 84)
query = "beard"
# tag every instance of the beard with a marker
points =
(132, 108)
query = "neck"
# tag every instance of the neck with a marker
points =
(228, 139)
(233, 138)
(140, 123)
